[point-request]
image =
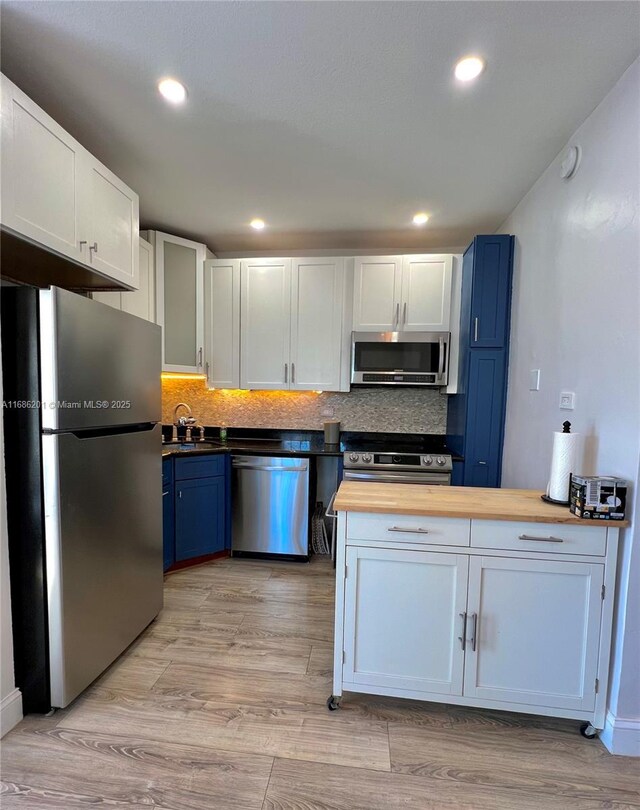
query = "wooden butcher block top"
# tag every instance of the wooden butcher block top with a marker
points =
(469, 502)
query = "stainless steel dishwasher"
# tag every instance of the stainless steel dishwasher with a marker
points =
(270, 506)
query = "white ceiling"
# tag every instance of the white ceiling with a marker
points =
(334, 121)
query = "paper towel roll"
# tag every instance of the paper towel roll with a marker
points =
(565, 459)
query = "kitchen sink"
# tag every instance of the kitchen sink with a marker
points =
(193, 445)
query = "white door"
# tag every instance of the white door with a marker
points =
(40, 176)
(222, 323)
(111, 222)
(536, 631)
(142, 302)
(376, 293)
(179, 301)
(265, 319)
(403, 615)
(426, 293)
(317, 299)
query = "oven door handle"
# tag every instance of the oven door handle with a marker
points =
(436, 479)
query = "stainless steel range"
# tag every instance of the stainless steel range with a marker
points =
(398, 468)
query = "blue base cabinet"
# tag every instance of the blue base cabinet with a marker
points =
(168, 527)
(475, 417)
(195, 507)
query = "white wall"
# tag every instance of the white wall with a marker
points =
(576, 304)
(10, 698)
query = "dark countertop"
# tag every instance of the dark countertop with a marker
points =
(246, 441)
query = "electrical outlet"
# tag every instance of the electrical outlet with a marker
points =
(567, 400)
(534, 379)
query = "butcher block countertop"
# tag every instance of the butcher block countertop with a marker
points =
(467, 502)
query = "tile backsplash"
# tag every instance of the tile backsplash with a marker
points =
(390, 410)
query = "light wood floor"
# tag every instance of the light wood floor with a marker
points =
(220, 705)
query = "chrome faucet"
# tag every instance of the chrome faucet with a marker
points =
(176, 421)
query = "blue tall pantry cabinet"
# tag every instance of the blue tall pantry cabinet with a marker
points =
(475, 419)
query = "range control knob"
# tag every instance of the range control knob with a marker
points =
(367, 458)
(440, 461)
(396, 459)
(353, 457)
(427, 460)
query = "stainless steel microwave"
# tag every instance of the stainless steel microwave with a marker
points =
(400, 358)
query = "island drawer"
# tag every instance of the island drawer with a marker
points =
(408, 529)
(554, 538)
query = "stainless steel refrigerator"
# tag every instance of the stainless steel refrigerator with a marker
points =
(84, 505)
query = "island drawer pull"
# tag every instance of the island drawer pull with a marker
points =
(407, 531)
(541, 539)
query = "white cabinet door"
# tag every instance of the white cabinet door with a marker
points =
(537, 628)
(179, 301)
(403, 617)
(317, 299)
(376, 294)
(265, 318)
(425, 300)
(40, 176)
(222, 323)
(110, 223)
(142, 302)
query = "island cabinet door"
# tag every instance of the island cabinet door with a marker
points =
(533, 630)
(404, 615)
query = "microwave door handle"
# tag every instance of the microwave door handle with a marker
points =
(441, 358)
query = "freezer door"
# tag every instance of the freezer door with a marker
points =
(103, 539)
(99, 366)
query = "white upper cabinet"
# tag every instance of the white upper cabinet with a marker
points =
(317, 304)
(402, 293)
(179, 265)
(40, 176)
(265, 318)
(541, 646)
(425, 304)
(140, 302)
(376, 293)
(110, 214)
(56, 194)
(222, 323)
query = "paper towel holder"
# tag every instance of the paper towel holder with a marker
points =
(566, 428)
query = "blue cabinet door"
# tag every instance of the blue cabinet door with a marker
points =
(492, 259)
(485, 418)
(168, 529)
(199, 517)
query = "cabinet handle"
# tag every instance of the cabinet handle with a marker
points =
(549, 539)
(408, 531)
(206, 366)
(180, 494)
(200, 357)
(482, 463)
(404, 314)
(81, 243)
(165, 493)
(293, 372)
(475, 329)
(463, 638)
(474, 631)
(93, 247)
(397, 315)
(286, 372)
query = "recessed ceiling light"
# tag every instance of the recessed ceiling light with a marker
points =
(174, 91)
(257, 224)
(469, 68)
(421, 218)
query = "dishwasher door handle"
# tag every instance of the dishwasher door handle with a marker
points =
(268, 468)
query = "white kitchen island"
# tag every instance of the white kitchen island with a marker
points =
(477, 597)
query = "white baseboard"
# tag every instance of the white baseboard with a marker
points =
(621, 736)
(10, 711)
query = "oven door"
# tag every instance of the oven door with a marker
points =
(389, 477)
(395, 358)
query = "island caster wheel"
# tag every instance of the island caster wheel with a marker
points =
(333, 703)
(588, 731)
